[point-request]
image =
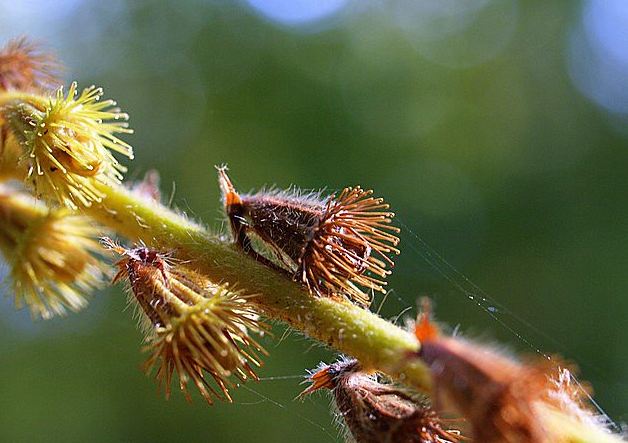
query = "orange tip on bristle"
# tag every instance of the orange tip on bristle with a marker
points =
(228, 190)
(425, 329)
(320, 379)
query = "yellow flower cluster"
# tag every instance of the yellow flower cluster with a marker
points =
(67, 142)
(52, 254)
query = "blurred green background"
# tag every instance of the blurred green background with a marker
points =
(496, 129)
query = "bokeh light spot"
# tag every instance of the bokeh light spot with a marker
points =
(455, 33)
(598, 54)
(297, 12)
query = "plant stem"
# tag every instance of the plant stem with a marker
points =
(377, 343)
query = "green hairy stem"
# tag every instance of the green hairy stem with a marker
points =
(375, 342)
(378, 344)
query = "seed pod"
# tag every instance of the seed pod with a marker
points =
(338, 246)
(379, 413)
(195, 328)
(503, 399)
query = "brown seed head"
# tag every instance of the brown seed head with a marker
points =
(24, 67)
(494, 393)
(502, 398)
(339, 246)
(376, 412)
(195, 328)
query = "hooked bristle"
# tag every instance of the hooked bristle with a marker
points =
(324, 377)
(424, 328)
(351, 247)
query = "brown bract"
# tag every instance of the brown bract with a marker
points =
(24, 67)
(503, 399)
(379, 413)
(338, 246)
(494, 393)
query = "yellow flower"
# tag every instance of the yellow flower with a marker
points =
(195, 328)
(68, 142)
(51, 254)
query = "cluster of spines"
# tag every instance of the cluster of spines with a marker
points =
(352, 221)
(25, 67)
(67, 141)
